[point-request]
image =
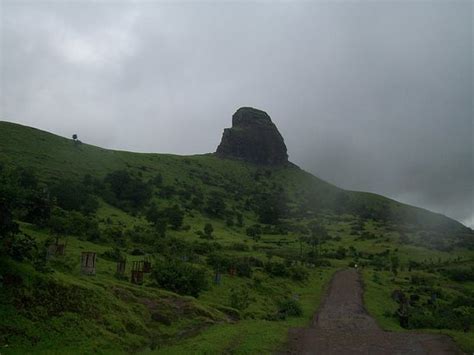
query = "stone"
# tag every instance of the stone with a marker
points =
(253, 138)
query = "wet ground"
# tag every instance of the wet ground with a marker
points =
(342, 326)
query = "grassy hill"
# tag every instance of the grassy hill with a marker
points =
(54, 157)
(277, 235)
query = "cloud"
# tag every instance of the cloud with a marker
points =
(369, 95)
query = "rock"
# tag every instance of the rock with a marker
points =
(253, 138)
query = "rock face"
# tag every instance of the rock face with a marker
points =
(253, 138)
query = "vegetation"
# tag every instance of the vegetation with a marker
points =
(239, 253)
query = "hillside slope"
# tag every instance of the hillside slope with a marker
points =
(55, 157)
(240, 252)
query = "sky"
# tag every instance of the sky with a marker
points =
(369, 95)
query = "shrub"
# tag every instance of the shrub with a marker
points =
(219, 262)
(23, 247)
(125, 191)
(181, 277)
(157, 180)
(298, 273)
(137, 251)
(239, 247)
(113, 234)
(215, 205)
(174, 216)
(205, 248)
(229, 221)
(254, 231)
(461, 275)
(112, 254)
(276, 269)
(418, 279)
(74, 223)
(208, 230)
(73, 196)
(290, 308)
(240, 219)
(239, 298)
(243, 268)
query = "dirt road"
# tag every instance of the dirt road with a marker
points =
(342, 326)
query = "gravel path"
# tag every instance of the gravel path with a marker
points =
(342, 326)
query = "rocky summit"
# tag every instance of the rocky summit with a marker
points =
(253, 138)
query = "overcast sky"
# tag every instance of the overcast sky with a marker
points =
(369, 95)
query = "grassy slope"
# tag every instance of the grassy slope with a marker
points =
(56, 157)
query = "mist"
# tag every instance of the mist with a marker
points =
(370, 96)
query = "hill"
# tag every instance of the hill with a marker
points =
(240, 250)
(54, 158)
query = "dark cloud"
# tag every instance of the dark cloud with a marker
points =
(369, 95)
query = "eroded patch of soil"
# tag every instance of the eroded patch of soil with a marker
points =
(342, 326)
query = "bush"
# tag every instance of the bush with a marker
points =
(229, 221)
(23, 247)
(243, 268)
(323, 262)
(239, 298)
(239, 247)
(215, 205)
(113, 255)
(181, 277)
(298, 273)
(174, 216)
(218, 261)
(73, 196)
(137, 251)
(276, 269)
(113, 234)
(254, 231)
(125, 191)
(205, 248)
(74, 223)
(208, 230)
(290, 308)
(461, 275)
(418, 279)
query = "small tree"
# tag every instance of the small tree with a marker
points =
(215, 205)
(175, 216)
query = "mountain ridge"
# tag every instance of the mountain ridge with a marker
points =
(12, 134)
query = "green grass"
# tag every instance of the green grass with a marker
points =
(379, 303)
(253, 335)
(122, 320)
(55, 157)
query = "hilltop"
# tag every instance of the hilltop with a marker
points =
(55, 157)
(242, 244)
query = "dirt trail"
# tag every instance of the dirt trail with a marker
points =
(342, 326)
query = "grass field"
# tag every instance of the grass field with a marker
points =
(62, 311)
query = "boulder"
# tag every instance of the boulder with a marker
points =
(253, 138)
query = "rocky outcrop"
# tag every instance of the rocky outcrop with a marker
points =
(253, 138)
